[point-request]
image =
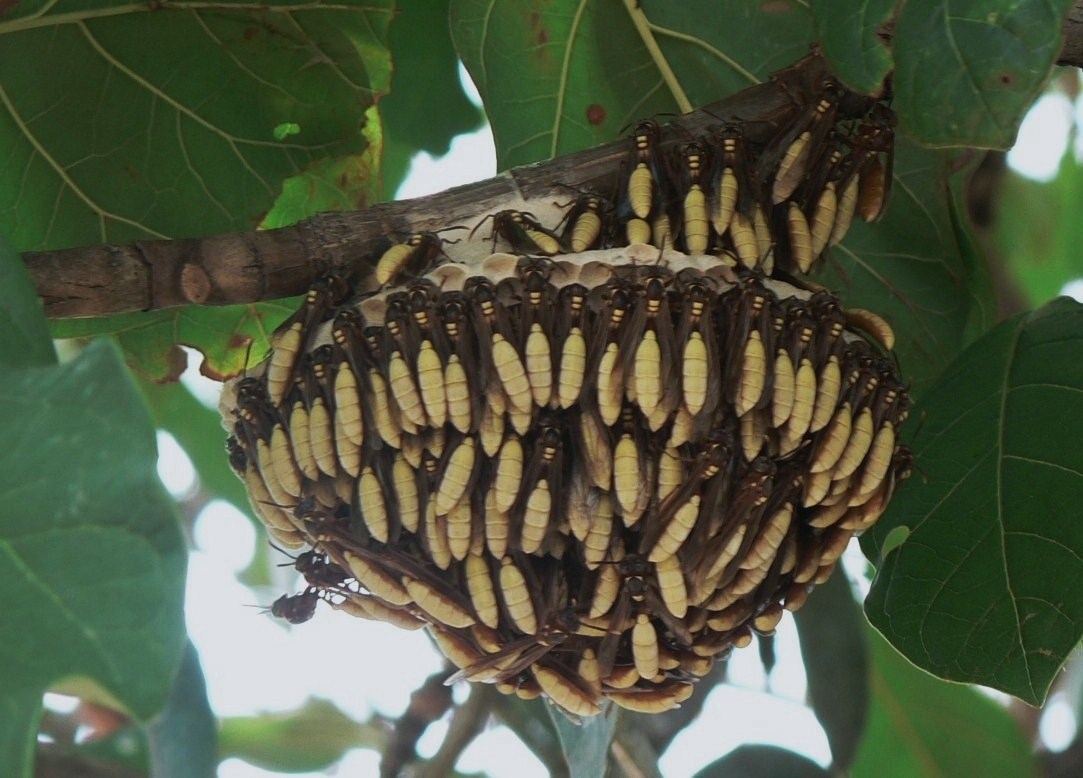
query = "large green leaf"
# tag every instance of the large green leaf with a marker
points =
(24, 333)
(914, 266)
(1038, 232)
(226, 336)
(586, 744)
(762, 761)
(988, 586)
(836, 655)
(850, 36)
(427, 106)
(184, 738)
(91, 557)
(139, 120)
(569, 75)
(966, 72)
(921, 726)
(310, 738)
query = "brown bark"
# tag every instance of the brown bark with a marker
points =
(252, 266)
(1071, 53)
(249, 267)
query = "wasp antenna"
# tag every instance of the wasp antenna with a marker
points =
(478, 225)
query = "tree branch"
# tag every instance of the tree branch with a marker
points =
(248, 267)
(1071, 53)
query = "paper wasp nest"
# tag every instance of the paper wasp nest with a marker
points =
(590, 472)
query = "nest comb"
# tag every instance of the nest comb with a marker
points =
(588, 472)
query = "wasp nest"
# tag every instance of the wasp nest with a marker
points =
(589, 474)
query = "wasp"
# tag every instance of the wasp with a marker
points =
(648, 348)
(296, 608)
(640, 196)
(874, 136)
(317, 569)
(541, 495)
(639, 589)
(604, 357)
(696, 229)
(585, 224)
(416, 252)
(524, 233)
(697, 341)
(293, 336)
(786, 159)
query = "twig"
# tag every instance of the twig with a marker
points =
(632, 752)
(249, 267)
(531, 724)
(661, 728)
(427, 704)
(466, 724)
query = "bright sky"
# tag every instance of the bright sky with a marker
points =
(256, 663)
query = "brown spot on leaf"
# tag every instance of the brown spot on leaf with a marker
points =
(1006, 78)
(541, 32)
(176, 363)
(250, 33)
(595, 114)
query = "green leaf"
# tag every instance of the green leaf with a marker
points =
(832, 630)
(966, 72)
(24, 333)
(919, 725)
(762, 761)
(849, 34)
(106, 143)
(226, 335)
(988, 586)
(567, 76)
(20, 714)
(198, 430)
(427, 106)
(310, 738)
(334, 184)
(585, 745)
(914, 268)
(91, 556)
(1037, 232)
(183, 740)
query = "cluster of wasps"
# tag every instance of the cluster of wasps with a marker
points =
(589, 467)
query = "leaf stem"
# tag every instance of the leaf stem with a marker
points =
(643, 27)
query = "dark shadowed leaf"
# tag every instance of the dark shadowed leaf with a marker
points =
(199, 431)
(225, 335)
(1038, 232)
(988, 586)
(915, 266)
(20, 713)
(427, 106)
(311, 738)
(93, 562)
(832, 630)
(183, 739)
(585, 745)
(965, 73)
(761, 761)
(24, 333)
(850, 35)
(567, 76)
(919, 725)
